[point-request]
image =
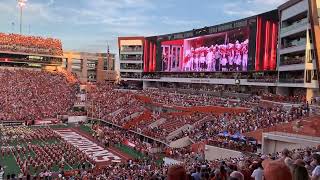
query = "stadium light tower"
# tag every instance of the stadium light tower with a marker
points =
(21, 4)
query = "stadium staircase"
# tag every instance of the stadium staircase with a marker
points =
(186, 127)
(145, 116)
(115, 113)
(171, 124)
(157, 123)
(131, 116)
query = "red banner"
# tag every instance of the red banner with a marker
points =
(128, 143)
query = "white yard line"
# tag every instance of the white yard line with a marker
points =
(89, 138)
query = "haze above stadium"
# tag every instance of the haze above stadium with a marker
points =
(85, 25)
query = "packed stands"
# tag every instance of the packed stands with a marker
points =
(30, 44)
(298, 98)
(280, 165)
(133, 110)
(174, 98)
(115, 106)
(27, 95)
(206, 125)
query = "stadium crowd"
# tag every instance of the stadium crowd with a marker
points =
(294, 164)
(297, 98)
(111, 136)
(207, 126)
(27, 95)
(226, 130)
(30, 44)
(173, 98)
(288, 164)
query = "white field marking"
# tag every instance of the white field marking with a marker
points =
(94, 151)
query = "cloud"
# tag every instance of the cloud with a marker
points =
(273, 3)
(244, 8)
(178, 22)
(87, 24)
(233, 9)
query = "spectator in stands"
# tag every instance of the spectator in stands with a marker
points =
(276, 170)
(300, 173)
(316, 170)
(236, 175)
(242, 167)
(223, 175)
(197, 175)
(177, 172)
(258, 172)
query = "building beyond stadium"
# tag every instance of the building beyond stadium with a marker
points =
(275, 51)
(90, 67)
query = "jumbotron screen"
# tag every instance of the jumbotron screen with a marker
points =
(244, 45)
(227, 51)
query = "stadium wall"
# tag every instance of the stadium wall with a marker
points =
(77, 119)
(273, 142)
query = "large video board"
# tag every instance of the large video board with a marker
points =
(227, 51)
(245, 45)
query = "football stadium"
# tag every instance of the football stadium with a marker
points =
(233, 101)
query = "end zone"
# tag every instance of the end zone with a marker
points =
(97, 153)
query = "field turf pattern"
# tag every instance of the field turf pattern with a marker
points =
(9, 162)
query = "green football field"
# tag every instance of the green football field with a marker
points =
(11, 166)
(8, 161)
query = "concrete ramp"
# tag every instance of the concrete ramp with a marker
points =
(157, 123)
(180, 143)
(213, 153)
(131, 116)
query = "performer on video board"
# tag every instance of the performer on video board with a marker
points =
(173, 61)
(238, 58)
(192, 59)
(187, 61)
(196, 60)
(202, 59)
(230, 53)
(245, 51)
(217, 58)
(210, 59)
(224, 60)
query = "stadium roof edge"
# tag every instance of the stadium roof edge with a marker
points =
(130, 37)
(250, 17)
(288, 4)
(29, 54)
